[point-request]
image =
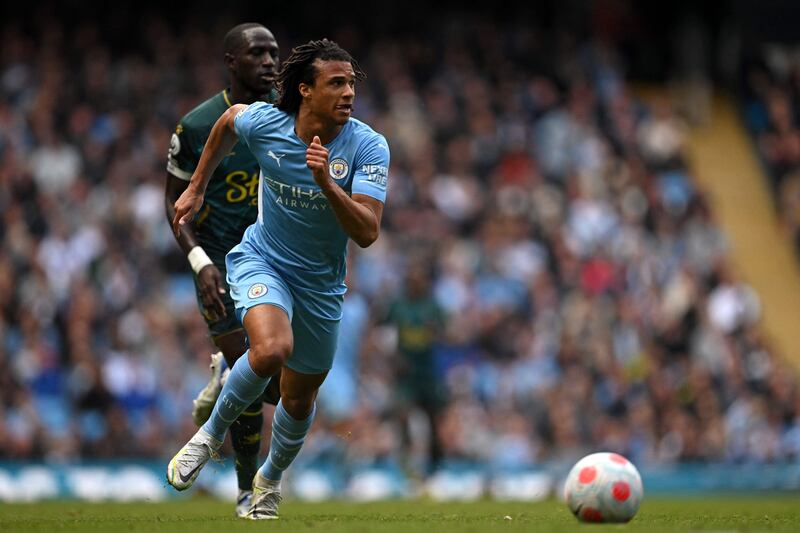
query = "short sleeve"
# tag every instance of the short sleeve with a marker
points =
(372, 171)
(245, 121)
(182, 158)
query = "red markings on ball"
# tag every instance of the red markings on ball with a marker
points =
(621, 491)
(617, 458)
(592, 515)
(587, 475)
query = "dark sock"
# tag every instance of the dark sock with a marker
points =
(246, 437)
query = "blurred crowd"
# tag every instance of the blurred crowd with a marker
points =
(770, 93)
(549, 280)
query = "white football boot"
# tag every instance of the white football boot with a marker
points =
(266, 498)
(184, 468)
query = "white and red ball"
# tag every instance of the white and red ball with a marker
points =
(603, 487)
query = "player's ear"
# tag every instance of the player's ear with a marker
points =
(305, 90)
(230, 61)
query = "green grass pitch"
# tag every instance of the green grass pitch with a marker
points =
(761, 513)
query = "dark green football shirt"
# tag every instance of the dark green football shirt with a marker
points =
(231, 201)
(419, 322)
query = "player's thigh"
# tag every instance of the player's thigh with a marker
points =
(264, 305)
(270, 333)
(253, 281)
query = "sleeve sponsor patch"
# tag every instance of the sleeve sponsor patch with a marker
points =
(376, 174)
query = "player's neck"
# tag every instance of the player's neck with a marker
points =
(240, 95)
(307, 125)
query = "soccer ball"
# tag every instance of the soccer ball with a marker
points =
(603, 487)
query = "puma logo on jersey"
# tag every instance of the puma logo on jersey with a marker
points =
(276, 157)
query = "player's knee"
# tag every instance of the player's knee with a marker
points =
(298, 407)
(269, 356)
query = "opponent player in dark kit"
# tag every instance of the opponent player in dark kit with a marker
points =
(230, 206)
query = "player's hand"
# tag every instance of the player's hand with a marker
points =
(186, 208)
(211, 287)
(317, 161)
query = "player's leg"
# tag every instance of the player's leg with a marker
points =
(290, 425)
(270, 334)
(252, 283)
(293, 416)
(232, 345)
(229, 336)
(220, 368)
(245, 430)
(219, 328)
(314, 345)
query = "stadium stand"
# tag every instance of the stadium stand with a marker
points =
(769, 100)
(578, 284)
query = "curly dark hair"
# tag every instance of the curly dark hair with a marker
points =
(299, 68)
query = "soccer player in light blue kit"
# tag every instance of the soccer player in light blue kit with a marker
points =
(323, 180)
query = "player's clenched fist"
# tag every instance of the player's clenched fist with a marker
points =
(317, 161)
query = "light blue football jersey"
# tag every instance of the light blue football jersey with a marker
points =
(296, 229)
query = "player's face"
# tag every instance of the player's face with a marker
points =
(256, 64)
(334, 90)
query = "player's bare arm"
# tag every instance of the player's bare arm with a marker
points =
(360, 216)
(209, 277)
(221, 140)
(174, 189)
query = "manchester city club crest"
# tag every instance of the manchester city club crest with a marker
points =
(256, 290)
(338, 168)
